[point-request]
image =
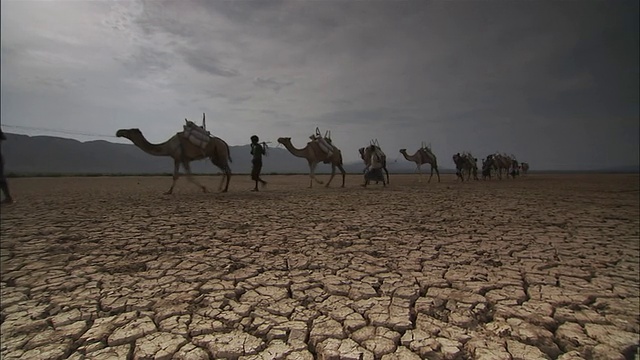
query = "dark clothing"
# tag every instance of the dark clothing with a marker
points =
(4, 187)
(256, 169)
(374, 174)
(486, 172)
(257, 151)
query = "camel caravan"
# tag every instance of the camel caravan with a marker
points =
(499, 162)
(195, 142)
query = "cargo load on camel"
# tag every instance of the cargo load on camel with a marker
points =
(324, 142)
(197, 135)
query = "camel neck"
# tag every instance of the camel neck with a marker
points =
(149, 148)
(293, 150)
(409, 157)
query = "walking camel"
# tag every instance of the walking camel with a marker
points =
(314, 155)
(501, 162)
(487, 165)
(515, 167)
(525, 168)
(183, 152)
(423, 156)
(365, 154)
(466, 162)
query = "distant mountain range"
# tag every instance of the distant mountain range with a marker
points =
(48, 155)
(44, 155)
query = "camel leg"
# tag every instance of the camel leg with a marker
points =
(437, 173)
(419, 171)
(387, 172)
(226, 175)
(343, 174)
(312, 174)
(187, 168)
(430, 175)
(176, 175)
(333, 173)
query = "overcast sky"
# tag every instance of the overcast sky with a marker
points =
(553, 82)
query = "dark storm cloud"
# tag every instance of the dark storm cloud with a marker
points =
(208, 64)
(537, 78)
(369, 117)
(271, 83)
(146, 60)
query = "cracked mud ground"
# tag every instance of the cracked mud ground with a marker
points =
(541, 267)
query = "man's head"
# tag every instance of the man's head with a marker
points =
(254, 139)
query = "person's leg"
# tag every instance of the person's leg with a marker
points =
(4, 186)
(259, 178)
(254, 175)
(367, 177)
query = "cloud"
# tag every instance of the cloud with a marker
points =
(271, 83)
(209, 64)
(463, 75)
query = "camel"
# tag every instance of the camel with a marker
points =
(365, 154)
(515, 167)
(466, 162)
(423, 156)
(501, 162)
(182, 151)
(525, 168)
(487, 165)
(314, 155)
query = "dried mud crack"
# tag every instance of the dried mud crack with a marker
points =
(105, 268)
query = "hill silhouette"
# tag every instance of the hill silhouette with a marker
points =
(42, 155)
(50, 155)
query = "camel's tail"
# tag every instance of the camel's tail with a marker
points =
(228, 152)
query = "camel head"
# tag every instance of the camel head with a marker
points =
(128, 133)
(284, 140)
(361, 151)
(403, 151)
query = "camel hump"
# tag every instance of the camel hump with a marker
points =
(196, 134)
(424, 155)
(379, 153)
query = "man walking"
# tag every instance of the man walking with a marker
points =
(257, 151)
(4, 186)
(374, 170)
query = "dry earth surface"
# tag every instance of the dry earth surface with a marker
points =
(541, 267)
